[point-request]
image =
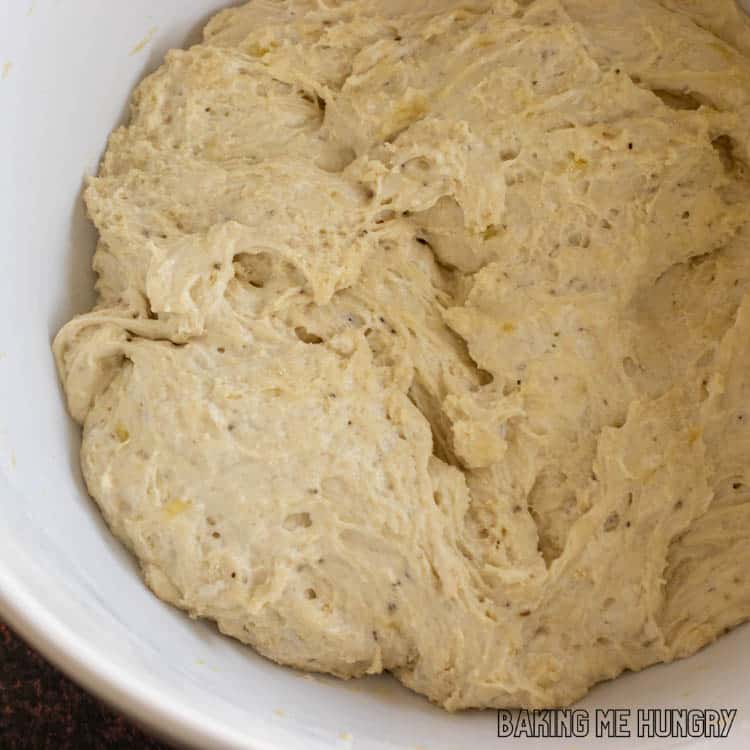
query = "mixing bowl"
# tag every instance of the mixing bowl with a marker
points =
(66, 585)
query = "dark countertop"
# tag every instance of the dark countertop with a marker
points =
(40, 708)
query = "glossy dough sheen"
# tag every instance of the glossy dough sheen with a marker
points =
(422, 337)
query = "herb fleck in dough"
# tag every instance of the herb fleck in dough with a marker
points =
(421, 341)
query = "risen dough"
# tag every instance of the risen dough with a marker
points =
(422, 337)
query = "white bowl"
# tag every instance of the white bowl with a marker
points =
(66, 70)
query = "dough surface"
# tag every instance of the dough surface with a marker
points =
(422, 337)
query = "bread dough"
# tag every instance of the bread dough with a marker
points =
(421, 342)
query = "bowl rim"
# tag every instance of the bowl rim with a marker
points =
(154, 710)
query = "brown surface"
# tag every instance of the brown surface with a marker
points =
(40, 708)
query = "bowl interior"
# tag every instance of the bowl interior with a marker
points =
(67, 69)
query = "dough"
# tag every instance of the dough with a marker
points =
(421, 342)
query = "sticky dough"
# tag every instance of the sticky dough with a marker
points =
(421, 341)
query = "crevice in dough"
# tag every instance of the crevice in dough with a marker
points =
(306, 337)
(431, 409)
(675, 99)
(725, 149)
(447, 268)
